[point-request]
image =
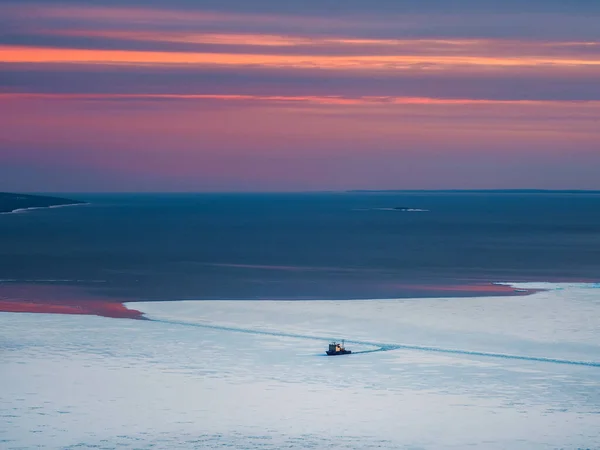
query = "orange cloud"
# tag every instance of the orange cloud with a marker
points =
(412, 46)
(319, 100)
(19, 54)
(263, 40)
(267, 40)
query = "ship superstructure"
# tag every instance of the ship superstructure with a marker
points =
(337, 349)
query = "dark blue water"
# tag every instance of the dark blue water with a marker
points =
(214, 246)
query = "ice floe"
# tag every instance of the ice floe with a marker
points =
(253, 374)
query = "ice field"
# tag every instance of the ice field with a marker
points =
(489, 372)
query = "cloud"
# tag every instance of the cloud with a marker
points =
(333, 7)
(310, 100)
(368, 63)
(563, 84)
(369, 20)
(299, 95)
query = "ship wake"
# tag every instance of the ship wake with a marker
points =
(385, 347)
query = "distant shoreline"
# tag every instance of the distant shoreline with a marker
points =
(326, 191)
(474, 191)
(22, 210)
(18, 203)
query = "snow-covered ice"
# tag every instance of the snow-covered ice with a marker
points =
(522, 373)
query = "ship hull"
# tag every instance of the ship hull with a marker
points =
(343, 352)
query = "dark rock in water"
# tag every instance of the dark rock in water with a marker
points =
(14, 202)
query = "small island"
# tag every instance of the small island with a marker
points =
(10, 203)
(409, 209)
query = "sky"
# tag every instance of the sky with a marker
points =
(270, 95)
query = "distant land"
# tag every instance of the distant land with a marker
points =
(478, 191)
(10, 202)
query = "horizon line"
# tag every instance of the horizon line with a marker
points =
(319, 191)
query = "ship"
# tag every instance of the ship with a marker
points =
(337, 349)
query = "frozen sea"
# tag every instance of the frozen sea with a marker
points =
(480, 372)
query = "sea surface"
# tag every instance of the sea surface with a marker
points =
(473, 320)
(303, 246)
